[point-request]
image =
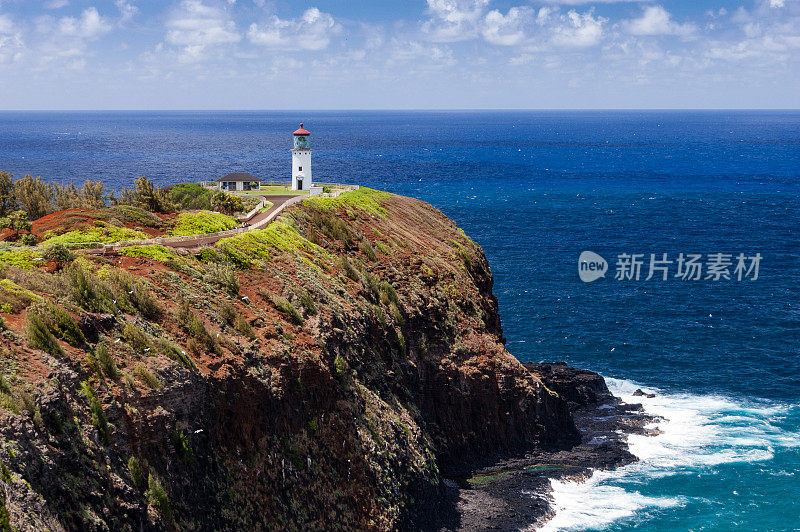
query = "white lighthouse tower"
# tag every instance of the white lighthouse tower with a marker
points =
(301, 160)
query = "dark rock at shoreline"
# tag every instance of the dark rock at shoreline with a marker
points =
(514, 494)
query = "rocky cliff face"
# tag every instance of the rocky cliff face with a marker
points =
(326, 371)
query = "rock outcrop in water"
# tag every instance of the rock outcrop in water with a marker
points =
(349, 359)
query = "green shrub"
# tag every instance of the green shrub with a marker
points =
(157, 496)
(371, 283)
(174, 353)
(40, 337)
(388, 294)
(345, 267)
(203, 222)
(183, 447)
(308, 303)
(209, 255)
(197, 331)
(366, 249)
(333, 227)
(137, 473)
(244, 328)
(191, 196)
(134, 290)
(394, 311)
(106, 362)
(227, 313)
(340, 367)
(29, 239)
(58, 253)
(146, 376)
(107, 235)
(135, 337)
(129, 214)
(364, 199)
(154, 252)
(223, 275)
(286, 307)
(84, 288)
(59, 322)
(21, 258)
(98, 417)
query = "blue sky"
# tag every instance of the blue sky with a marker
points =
(417, 54)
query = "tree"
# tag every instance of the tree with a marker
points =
(226, 203)
(34, 196)
(146, 196)
(8, 202)
(65, 197)
(92, 195)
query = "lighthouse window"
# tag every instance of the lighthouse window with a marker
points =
(299, 168)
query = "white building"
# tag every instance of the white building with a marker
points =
(233, 182)
(301, 160)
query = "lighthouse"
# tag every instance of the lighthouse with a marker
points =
(301, 160)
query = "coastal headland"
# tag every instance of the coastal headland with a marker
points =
(343, 366)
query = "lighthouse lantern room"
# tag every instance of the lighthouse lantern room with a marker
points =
(301, 160)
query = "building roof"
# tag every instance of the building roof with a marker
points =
(301, 131)
(238, 177)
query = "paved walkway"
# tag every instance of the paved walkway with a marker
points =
(260, 219)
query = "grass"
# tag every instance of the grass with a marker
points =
(154, 252)
(246, 249)
(201, 223)
(364, 199)
(14, 298)
(274, 190)
(108, 234)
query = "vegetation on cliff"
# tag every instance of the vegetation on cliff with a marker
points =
(324, 371)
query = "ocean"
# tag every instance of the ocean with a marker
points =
(644, 190)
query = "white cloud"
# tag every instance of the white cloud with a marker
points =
(56, 4)
(507, 30)
(89, 26)
(11, 45)
(420, 56)
(579, 30)
(453, 20)
(127, 10)
(196, 28)
(312, 31)
(656, 20)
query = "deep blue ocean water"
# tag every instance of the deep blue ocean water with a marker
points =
(535, 189)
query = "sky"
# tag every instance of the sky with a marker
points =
(399, 54)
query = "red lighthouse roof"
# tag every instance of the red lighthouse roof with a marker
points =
(301, 131)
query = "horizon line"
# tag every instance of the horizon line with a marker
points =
(419, 109)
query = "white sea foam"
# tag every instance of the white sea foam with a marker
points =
(698, 432)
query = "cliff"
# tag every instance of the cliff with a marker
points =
(327, 371)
